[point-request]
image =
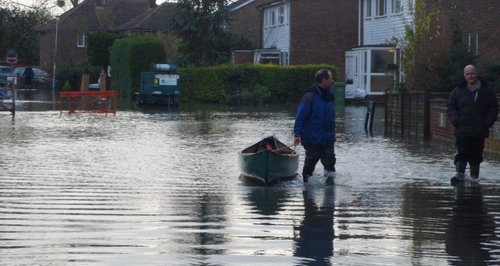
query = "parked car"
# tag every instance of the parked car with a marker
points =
(40, 75)
(5, 71)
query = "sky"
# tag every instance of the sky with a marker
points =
(55, 10)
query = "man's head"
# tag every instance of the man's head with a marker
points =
(470, 74)
(324, 78)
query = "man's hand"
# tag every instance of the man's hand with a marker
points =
(296, 141)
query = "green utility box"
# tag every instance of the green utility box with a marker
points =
(160, 86)
(339, 91)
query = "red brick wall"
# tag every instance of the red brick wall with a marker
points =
(322, 31)
(478, 16)
(242, 57)
(445, 131)
(246, 22)
(440, 127)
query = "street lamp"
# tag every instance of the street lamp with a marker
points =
(54, 68)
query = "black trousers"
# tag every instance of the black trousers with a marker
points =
(469, 150)
(315, 153)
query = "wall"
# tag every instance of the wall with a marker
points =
(322, 30)
(478, 16)
(381, 29)
(442, 129)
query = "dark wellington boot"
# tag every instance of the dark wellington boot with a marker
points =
(459, 176)
(474, 171)
(305, 178)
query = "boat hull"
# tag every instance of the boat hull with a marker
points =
(269, 166)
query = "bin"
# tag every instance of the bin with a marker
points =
(339, 92)
(160, 86)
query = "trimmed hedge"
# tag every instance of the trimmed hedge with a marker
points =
(130, 56)
(247, 84)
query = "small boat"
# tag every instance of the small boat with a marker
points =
(268, 161)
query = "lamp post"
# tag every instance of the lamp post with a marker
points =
(54, 68)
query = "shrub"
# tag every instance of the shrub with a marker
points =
(247, 84)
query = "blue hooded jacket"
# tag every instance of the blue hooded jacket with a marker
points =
(315, 119)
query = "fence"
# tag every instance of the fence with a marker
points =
(407, 114)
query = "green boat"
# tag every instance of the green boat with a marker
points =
(268, 161)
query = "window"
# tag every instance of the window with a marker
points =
(473, 42)
(368, 8)
(381, 79)
(281, 14)
(273, 18)
(81, 40)
(397, 6)
(381, 8)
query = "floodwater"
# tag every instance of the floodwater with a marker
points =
(164, 188)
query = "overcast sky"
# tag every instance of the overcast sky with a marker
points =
(51, 3)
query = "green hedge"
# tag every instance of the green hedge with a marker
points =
(129, 57)
(247, 84)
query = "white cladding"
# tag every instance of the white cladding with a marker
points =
(276, 32)
(384, 20)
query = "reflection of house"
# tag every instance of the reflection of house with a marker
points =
(372, 65)
(300, 31)
(128, 16)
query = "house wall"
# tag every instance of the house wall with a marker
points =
(46, 50)
(478, 16)
(68, 54)
(322, 30)
(276, 36)
(381, 29)
(245, 21)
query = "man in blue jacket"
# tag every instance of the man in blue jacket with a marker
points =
(315, 126)
(472, 109)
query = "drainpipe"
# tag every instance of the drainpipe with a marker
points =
(359, 21)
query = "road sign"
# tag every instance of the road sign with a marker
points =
(11, 57)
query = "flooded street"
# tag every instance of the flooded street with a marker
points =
(164, 188)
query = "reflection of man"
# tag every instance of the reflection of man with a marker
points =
(469, 229)
(316, 232)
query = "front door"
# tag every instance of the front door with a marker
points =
(352, 74)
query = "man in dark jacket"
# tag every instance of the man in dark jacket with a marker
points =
(28, 77)
(315, 126)
(472, 109)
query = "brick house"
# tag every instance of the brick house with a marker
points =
(293, 32)
(384, 20)
(72, 27)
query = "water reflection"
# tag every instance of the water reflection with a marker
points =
(267, 200)
(314, 236)
(470, 228)
(162, 188)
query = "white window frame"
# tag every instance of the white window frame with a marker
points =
(368, 9)
(272, 16)
(81, 40)
(381, 8)
(397, 6)
(281, 15)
